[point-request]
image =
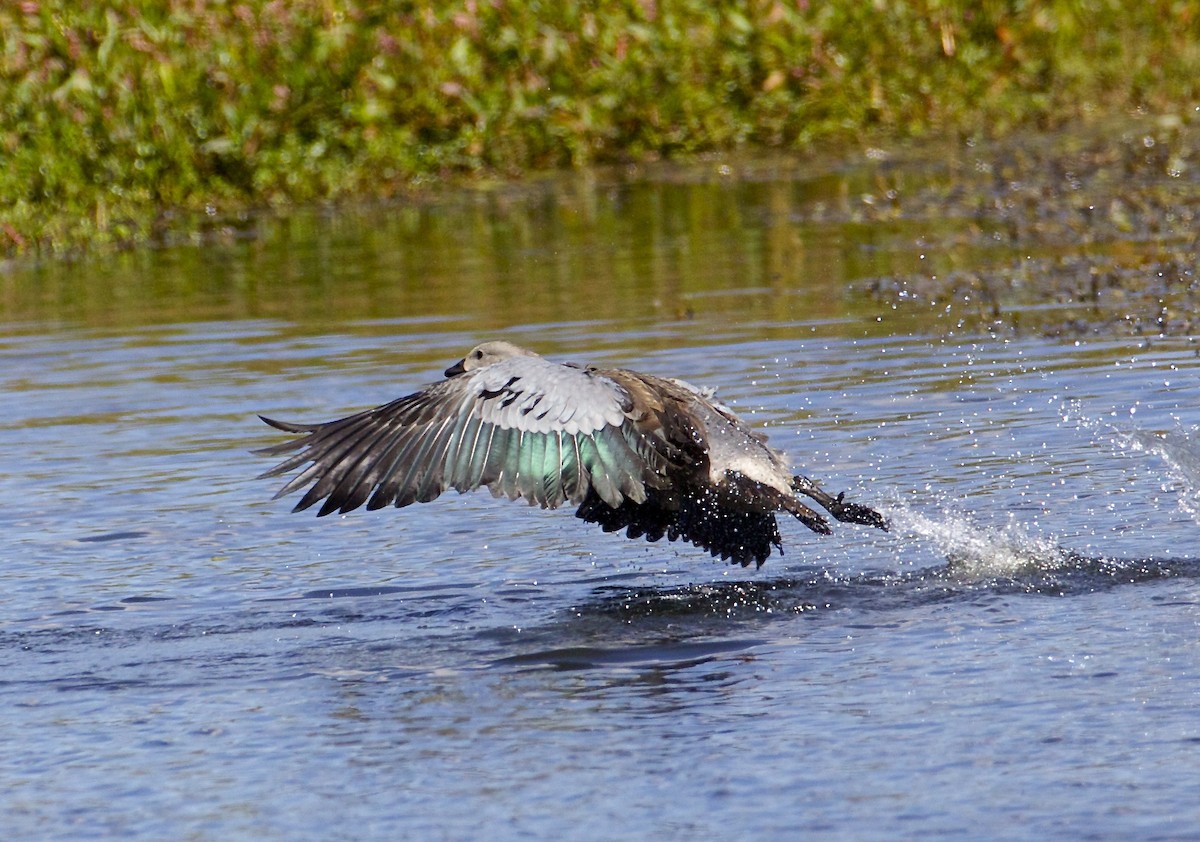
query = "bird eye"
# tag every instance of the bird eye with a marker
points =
(477, 354)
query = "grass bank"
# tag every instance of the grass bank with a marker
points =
(125, 121)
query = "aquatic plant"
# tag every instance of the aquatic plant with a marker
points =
(125, 120)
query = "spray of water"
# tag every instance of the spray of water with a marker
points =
(978, 551)
(982, 552)
(1180, 450)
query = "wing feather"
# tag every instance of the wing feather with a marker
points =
(320, 440)
(593, 461)
(461, 457)
(510, 466)
(523, 427)
(416, 476)
(332, 459)
(387, 481)
(552, 480)
(362, 466)
(482, 456)
(533, 475)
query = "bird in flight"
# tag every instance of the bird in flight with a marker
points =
(654, 456)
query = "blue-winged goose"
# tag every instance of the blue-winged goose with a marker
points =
(650, 455)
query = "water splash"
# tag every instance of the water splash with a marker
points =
(1180, 450)
(983, 552)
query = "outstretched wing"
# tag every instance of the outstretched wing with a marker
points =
(523, 427)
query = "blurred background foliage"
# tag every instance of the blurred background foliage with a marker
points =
(122, 121)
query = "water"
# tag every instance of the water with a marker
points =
(181, 657)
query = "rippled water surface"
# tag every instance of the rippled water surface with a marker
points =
(181, 657)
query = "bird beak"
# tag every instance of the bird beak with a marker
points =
(457, 369)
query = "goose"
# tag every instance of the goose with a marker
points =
(655, 456)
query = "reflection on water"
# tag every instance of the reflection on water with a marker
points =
(488, 260)
(765, 243)
(179, 651)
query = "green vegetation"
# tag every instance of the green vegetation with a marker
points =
(126, 121)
